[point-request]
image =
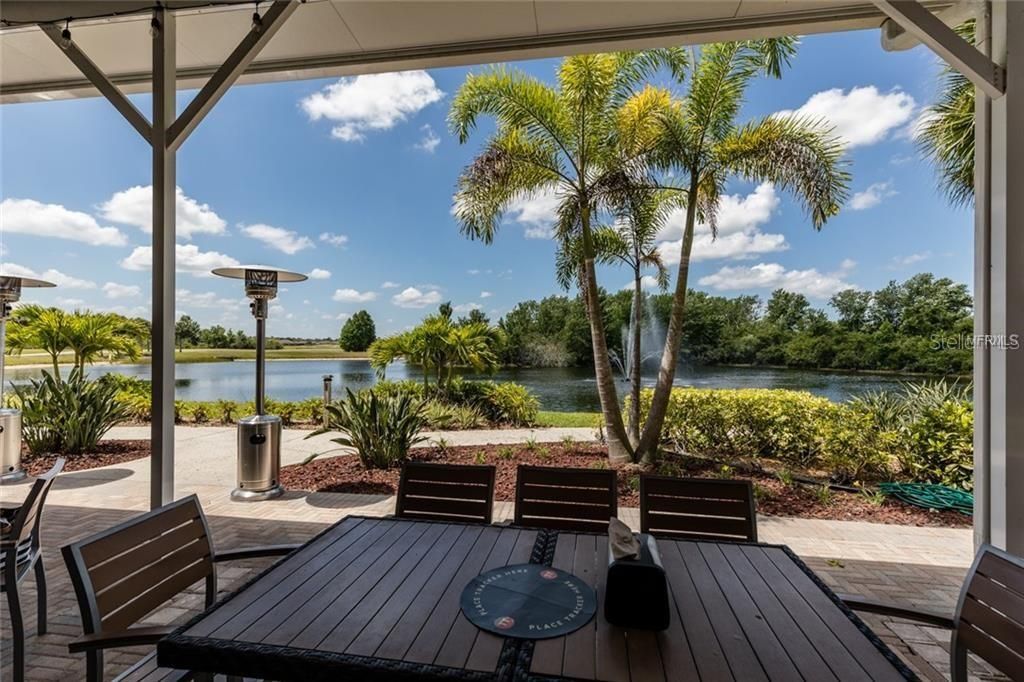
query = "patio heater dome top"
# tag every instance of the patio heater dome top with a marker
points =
(23, 282)
(238, 272)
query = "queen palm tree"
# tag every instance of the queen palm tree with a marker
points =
(559, 140)
(946, 136)
(698, 140)
(33, 326)
(631, 241)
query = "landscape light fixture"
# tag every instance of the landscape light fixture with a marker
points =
(10, 419)
(259, 436)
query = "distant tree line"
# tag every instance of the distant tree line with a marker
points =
(189, 334)
(920, 325)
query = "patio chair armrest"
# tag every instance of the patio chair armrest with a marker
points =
(928, 617)
(126, 638)
(254, 552)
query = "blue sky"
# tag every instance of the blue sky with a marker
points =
(353, 180)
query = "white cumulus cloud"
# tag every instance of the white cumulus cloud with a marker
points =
(207, 299)
(371, 102)
(319, 273)
(285, 241)
(134, 206)
(486, 294)
(872, 196)
(334, 239)
(55, 276)
(428, 143)
(389, 285)
(861, 116)
(810, 282)
(115, 290)
(466, 307)
(740, 219)
(188, 257)
(353, 296)
(27, 216)
(414, 298)
(536, 213)
(646, 282)
(908, 260)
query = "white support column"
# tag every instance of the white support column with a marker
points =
(982, 288)
(1004, 477)
(162, 423)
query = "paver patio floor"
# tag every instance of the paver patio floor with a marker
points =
(922, 567)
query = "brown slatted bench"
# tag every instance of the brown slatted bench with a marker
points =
(446, 492)
(123, 574)
(697, 508)
(565, 499)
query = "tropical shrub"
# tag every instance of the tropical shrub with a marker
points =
(442, 416)
(940, 446)
(380, 429)
(67, 417)
(780, 424)
(854, 448)
(226, 411)
(509, 403)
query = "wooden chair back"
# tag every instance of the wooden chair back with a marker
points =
(565, 499)
(697, 508)
(990, 615)
(122, 574)
(27, 520)
(446, 492)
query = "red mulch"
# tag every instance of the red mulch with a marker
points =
(346, 474)
(107, 452)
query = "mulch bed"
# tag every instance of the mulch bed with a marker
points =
(106, 453)
(346, 474)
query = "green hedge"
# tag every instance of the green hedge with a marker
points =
(464, 405)
(851, 441)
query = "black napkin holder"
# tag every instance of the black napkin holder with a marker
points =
(636, 592)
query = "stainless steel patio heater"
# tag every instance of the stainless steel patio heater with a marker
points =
(10, 420)
(259, 436)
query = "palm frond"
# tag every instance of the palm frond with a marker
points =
(795, 153)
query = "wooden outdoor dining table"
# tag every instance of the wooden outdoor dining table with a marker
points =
(378, 599)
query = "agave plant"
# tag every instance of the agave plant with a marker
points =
(381, 429)
(68, 417)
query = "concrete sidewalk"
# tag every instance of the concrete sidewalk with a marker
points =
(205, 465)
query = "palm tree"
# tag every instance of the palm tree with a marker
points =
(946, 136)
(86, 334)
(560, 140)
(631, 241)
(439, 345)
(697, 139)
(33, 326)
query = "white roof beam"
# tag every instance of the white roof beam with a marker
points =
(896, 39)
(917, 21)
(100, 81)
(228, 72)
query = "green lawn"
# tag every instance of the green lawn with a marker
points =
(569, 419)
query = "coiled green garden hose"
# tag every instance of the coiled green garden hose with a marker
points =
(931, 496)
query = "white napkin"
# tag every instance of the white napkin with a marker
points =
(621, 540)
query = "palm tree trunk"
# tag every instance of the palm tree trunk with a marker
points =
(619, 449)
(635, 361)
(650, 437)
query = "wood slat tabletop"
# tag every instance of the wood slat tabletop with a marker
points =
(373, 598)
(741, 612)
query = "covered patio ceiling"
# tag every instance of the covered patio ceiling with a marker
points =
(326, 38)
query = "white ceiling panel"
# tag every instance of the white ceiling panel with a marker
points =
(389, 25)
(562, 16)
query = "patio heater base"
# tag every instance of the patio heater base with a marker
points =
(10, 446)
(259, 458)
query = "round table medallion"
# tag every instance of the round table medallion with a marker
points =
(528, 601)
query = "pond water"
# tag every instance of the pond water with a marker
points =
(567, 389)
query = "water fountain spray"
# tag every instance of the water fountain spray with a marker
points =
(259, 435)
(10, 419)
